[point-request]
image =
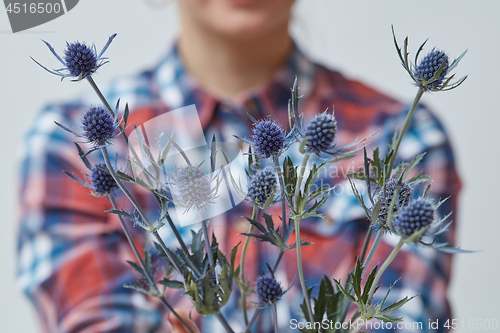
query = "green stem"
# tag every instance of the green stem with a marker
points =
(275, 318)
(404, 128)
(138, 208)
(284, 225)
(147, 273)
(255, 211)
(384, 266)
(376, 242)
(298, 240)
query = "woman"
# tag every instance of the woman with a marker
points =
(232, 57)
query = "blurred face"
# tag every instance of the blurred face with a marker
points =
(236, 18)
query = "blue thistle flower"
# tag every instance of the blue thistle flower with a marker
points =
(320, 133)
(102, 182)
(431, 73)
(261, 186)
(80, 60)
(385, 195)
(269, 290)
(98, 126)
(268, 138)
(429, 67)
(194, 188)
(417, 215)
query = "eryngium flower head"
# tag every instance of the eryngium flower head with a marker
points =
(98, 126)
(81, 60)
(417, 215)
(429, 67)
(269, 290)
(320, 133)
(268, 138)
(193, 187)
(385, 195)
(102, 182)
(261, 186)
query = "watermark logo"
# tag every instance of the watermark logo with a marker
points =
(170, 155)
(31, 13)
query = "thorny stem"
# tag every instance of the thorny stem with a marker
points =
(404, 128)
(147, 273)
(255, 211)
(384, 266)
(283, 198)
(137, 207)
(298, 240)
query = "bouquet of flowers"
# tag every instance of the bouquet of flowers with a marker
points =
(200, 269)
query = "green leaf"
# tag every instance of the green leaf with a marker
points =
(121, 213)
(356, 279)
(396, 305)
(368, 285)
(232, 256)
(136, 267)
(171, 284)
(344, 292)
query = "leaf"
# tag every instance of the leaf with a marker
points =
(344, 292)
(368, 285)
(356, 279)
(83, 157)
(137, 268)
(121, 213)
(74, 177)
(232, 256)
(171, 284)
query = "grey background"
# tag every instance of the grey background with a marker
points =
(354, 36)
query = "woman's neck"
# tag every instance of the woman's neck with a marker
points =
(226, 67)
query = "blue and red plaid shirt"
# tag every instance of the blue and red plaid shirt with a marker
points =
(72, 255)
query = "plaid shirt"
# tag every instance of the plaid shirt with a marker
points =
(71, 254)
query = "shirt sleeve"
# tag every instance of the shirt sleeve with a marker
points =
(424, 271)
(71, 254)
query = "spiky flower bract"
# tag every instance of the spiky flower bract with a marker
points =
(386, 195)
(418, 214)
(80, 60)
(102, 182)
(262, 185)
(320, 133)
(268, 138)
(269, 290)
(98, 126)
(429, 67)
(194, 188)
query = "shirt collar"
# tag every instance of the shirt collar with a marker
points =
(178, 88)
